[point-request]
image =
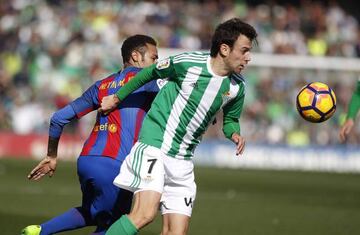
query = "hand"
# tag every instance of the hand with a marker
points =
(240, 143)
(346, 129)
(46, 166)
(108, 103)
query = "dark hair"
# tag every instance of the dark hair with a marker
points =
(136, 42)
(228, 32)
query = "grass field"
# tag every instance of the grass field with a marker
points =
(244, 202)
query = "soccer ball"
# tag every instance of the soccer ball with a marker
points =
(316, 102)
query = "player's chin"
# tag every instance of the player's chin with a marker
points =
(238, 70)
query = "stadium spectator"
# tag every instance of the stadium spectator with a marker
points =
(107, 146)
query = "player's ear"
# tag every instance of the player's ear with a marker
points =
(224, 50)
(135, 56)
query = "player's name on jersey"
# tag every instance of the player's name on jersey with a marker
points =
(115, 84)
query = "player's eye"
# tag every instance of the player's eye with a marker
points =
(245, 50)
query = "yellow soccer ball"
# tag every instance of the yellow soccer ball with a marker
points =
(316, 102)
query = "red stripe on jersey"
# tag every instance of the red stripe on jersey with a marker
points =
(103, 91)
(90, 142)
(139, 119)
(129, 76)
(113, 134)
(104, 87)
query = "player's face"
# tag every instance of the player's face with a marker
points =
(239, 56)
(150, 56)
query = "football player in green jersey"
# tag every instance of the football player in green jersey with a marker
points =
(353, 109)
(159, 169)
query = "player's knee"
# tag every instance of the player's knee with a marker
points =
(89, 221)
(141, 219)
(148, 217)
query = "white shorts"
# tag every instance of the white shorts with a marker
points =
(147, 168)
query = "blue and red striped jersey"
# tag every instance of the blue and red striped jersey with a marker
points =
(113, 135)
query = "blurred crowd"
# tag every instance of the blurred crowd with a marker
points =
(270, 115)
(50, 51)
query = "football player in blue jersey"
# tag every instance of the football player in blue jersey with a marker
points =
(108, 144)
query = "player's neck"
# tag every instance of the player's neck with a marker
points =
(127, 64)
(218, 66)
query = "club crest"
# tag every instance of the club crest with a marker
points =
(163, 64)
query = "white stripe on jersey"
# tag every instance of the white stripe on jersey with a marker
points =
(192, 75)
(189, 58)
(197, 56)
(189, 61)
(205, 103)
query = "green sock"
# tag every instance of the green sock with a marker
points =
(122, 226)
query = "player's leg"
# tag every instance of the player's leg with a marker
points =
(142, 172)
(109, 201)
(175, 224)
(122, 205)
(75, 217)
(178, 198)
(146, 204)
(71, 219)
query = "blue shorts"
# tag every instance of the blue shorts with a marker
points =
(102, 200)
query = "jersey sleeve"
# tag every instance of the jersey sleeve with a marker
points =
(59, 119)
(354, 104)
(232, 112)
(87, 102)
(163, 69)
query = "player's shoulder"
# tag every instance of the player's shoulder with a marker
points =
(198, 57)
(106, 80)
(127, 74)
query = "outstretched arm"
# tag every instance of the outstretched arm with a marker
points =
(57, 123)
(76, 109)
(163, 69)
(240, 143)
(48, 164)
(346, 129)
(231, 126)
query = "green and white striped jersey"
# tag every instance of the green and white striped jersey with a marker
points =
(188, 103)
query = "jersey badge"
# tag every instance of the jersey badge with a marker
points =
(112, 128)
(225, 97)
(163, 64)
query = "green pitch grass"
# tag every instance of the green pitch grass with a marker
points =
(244, 202)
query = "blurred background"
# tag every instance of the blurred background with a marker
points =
(51, 51)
